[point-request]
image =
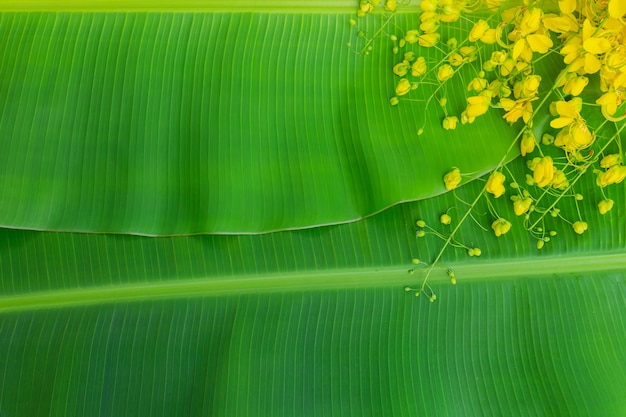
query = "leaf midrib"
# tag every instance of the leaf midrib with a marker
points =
(332, 279)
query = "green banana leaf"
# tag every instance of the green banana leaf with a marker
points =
(310, 322)
(182, 123)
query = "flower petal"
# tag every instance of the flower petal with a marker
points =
(539, 43)
(617, 8)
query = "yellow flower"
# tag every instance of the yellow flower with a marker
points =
(411, 36)
(450, 11)
(403, 87)
(605, 206)
(468, 52)
(617, 8)
(516, 109)
(579, 227)
(526, 45)
(445, 219)
(428, 5)
(501, 226)
(452, 179)
(580, 51)
(429, 25)
(611, 160)
(477, 84)
(465, 119)
(455, 59)
(428, 39)
(559, 181)
(543, 171)
(478, 105)
(365, 6)
(495, 184)
(489, 37)
(507, 67)
(609, 102)
(567, 6)
(449, 123)
(521, 206)
(527, 88)
(445, 72)
(567, 112)
(527, 144)
(531, 20)
(419, 67)
(613, 175)
(560, 24)
(401, 69)
(574, 137)
(478, 30)
(391, 5)
(573, 84)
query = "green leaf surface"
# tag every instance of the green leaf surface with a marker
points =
(182, 123)
(315, 322)
(130, 122)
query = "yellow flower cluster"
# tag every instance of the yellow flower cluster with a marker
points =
(588, 36)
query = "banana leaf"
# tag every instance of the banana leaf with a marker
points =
(308, 322)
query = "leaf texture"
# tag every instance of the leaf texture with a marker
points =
(182, 123)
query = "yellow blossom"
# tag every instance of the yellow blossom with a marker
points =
(543, 171)
(391, 5)
(467, 119)
(478, 30)
(560, 24)
(411, 36)
(477, 84)
(479, 104)
(559, 181)
(521, 206)
(449, 123)
(401, 69)
(445, 219)
(489, 37)
(498, 57)
(495, 184)
(581, 50)
(574, 137)
(617, 8)
(501, 226)
(575, 85)
(451, 11)
(579, 227)
(611, 160)
(567, 112)
(605, 206)
(613, 175)
(516, 109)
(526, 41)
(527, 144)
(507, 67)
(403, 87)
(445, 72)
(428, 5)
(609, 102)
(455, 59)
(429, 25)
(527, 88)
(452, 179)
(428, 39)
(469, 52)
(567, 6)
(365, 7)
(419, 67)
(531, 20)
